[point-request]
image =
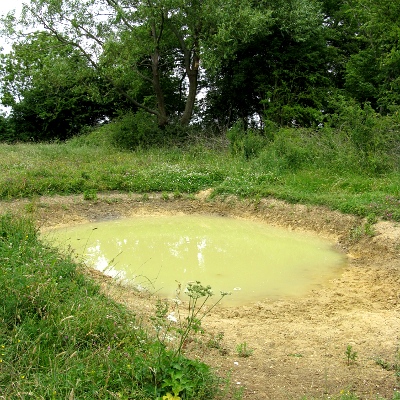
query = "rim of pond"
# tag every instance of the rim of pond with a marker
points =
(251, 259)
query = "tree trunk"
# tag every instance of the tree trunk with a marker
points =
(162, 113)
(155, 58)
(192, 72)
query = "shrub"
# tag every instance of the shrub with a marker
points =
(247, 143)
(135, 130)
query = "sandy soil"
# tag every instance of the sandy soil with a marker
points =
(298, 344)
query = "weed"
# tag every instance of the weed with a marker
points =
(279, 169)
(165, 196)
(171, 326)
(363, 230)
(31, 207)
(90, 194)
(216, 342)
(173, 331)
(177, 195)
(243, 350)
(391, 366)
(351, 355)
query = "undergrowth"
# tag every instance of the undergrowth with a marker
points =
(61, 338)
(299, 166)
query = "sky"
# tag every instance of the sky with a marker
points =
(5, 7)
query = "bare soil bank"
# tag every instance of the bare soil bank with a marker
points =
(298, 344)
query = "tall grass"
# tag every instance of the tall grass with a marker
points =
(324, 166)
(61, 338)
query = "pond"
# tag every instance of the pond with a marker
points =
(161, 254)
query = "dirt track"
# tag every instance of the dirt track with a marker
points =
(299, 344)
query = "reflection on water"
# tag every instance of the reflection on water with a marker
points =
(250, 259)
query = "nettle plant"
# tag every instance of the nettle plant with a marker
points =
(174, 326)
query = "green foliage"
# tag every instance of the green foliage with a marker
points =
(90, 194)
(100, 137)
(311, 166)
(351, 355)
(6, 131)
(135, 130)
(372, 73)
(375, 137)
(247, 144)
(392, 366)
(243, 350)
(60, 337)
(149, 54)
(216, 342)
(51, 90)
(280, 74)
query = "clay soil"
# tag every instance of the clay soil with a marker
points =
(298, 344)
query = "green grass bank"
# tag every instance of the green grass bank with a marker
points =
(61, 338)
(298, 167)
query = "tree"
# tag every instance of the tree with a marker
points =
(51, 90)
(373, 73)
(153, 44)
(281, 75)
(6, 132)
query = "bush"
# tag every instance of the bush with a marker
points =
(100, 136)
(135, 130)
(373, 134)
(247, 143)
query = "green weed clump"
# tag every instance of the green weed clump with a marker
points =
(61, 338)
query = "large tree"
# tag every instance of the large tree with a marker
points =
(50, 88)
(281, 75)
(373, 73)
(153, 44)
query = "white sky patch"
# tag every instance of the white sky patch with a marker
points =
(99, 262)
(200, 256)
(181, 246)
(5, 8)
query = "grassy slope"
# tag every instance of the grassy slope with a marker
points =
(29, 170)
(57, 344)
(60, 338)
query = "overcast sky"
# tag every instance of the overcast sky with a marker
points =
(5, 7)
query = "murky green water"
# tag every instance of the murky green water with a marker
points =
(250, 259)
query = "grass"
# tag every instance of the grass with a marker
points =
(61, 338)
(46, 169)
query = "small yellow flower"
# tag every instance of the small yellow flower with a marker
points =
(22, 376)
(1, 360)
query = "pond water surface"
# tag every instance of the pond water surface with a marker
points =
(252, 260)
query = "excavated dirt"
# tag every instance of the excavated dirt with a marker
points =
(298, 344)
